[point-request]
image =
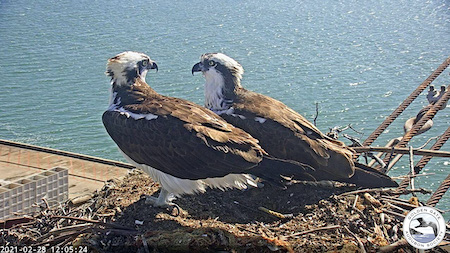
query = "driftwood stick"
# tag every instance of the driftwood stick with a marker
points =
(360, 244)
(354, 203)
(388, 191)
(411, 167)
(313, 230)
(92, 221)
(61, 238)
(398, 208)
(423, 152)
(415, 175)
(394, 246)
(70, 228)
(375, 202)
(400, 203)
(358, 211)
(80, 200)
(393, 213)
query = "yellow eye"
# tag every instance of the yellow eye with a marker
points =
(144, 63)
(212, 63)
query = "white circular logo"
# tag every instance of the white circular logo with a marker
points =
(424, 227)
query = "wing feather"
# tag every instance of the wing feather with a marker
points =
(288, 135)
(185, 140)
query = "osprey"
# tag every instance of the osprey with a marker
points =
(281, 131)
(432, 95)
(183, 146)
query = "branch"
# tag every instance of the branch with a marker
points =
(317, 113)
(313, 230)
(423, 152)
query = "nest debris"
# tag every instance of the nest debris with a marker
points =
(305, 217)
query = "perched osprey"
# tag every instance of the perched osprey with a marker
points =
(183, 146)
(432, 95)
(281, 131)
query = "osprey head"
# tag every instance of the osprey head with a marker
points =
(126, 67)
(215, 65)
(223, 75)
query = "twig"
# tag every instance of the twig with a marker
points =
(69, 228)
(394, 246)
(354, 202)
(361, 191)
(61, 238)
(317, 113)
(312, 230)
(375, 202)
(93, 221)
(428, 141)
(276, 214)
(358, 132)
(360, 244)
(415, 175)
(389, 198)
(358, 211)
(411, 167)
(422, 152)
(397, 207)
(80, 200)
(388, 191)
(46, 203)
(393, 213)
(404, 204)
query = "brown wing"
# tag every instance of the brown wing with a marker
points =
(185, 140)
(287, 135)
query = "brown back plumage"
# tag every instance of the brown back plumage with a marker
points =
(184, 135)
(297, 139)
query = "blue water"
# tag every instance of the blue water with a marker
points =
(357, 59)
(425, 238)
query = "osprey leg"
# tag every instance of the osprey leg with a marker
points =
(163, 200)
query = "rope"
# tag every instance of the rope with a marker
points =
(440, 191)
(425, 159)
(410, 134)
(372, 137)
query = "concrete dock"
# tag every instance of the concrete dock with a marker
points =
(86, 173)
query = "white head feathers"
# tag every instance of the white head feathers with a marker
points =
(125, 67)
(232, 65)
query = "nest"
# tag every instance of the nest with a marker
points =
(305, 217)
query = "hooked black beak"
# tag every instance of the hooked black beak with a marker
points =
(197, 67)
(153, 65)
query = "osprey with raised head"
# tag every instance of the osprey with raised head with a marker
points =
(183, 146)
(281, 131)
